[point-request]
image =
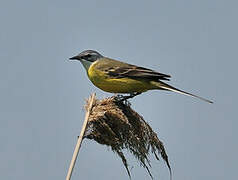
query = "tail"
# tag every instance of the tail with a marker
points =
(164, 86)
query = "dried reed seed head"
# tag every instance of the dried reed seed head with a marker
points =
(115, 124)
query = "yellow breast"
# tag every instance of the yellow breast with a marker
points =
(120, 85)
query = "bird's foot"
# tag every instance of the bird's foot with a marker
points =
(125, 98)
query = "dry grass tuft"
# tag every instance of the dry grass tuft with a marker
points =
(114, 123)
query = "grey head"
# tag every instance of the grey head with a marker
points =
(88, 55)
(87, 58)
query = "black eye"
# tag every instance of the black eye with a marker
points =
(88, 55)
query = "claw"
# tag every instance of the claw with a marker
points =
(124, 98)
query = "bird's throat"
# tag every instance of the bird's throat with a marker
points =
(86, 64)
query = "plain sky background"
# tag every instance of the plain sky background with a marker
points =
(42, 93)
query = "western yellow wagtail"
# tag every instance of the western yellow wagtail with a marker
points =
(118, 77)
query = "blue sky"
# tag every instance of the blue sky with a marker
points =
(42, 94)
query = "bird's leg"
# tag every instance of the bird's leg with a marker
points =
(132, 95)
(123, 98)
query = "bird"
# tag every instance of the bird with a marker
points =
(118, 77)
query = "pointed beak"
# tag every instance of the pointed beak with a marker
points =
(74, 58)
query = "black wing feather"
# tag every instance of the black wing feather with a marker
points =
(136, 72)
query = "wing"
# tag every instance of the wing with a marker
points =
(121, 70)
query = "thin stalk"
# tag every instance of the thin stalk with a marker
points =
(80, 138)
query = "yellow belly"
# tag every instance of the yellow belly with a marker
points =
(120, 85)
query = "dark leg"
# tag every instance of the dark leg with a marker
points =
(123, 98)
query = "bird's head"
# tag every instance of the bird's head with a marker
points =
(87, 57)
